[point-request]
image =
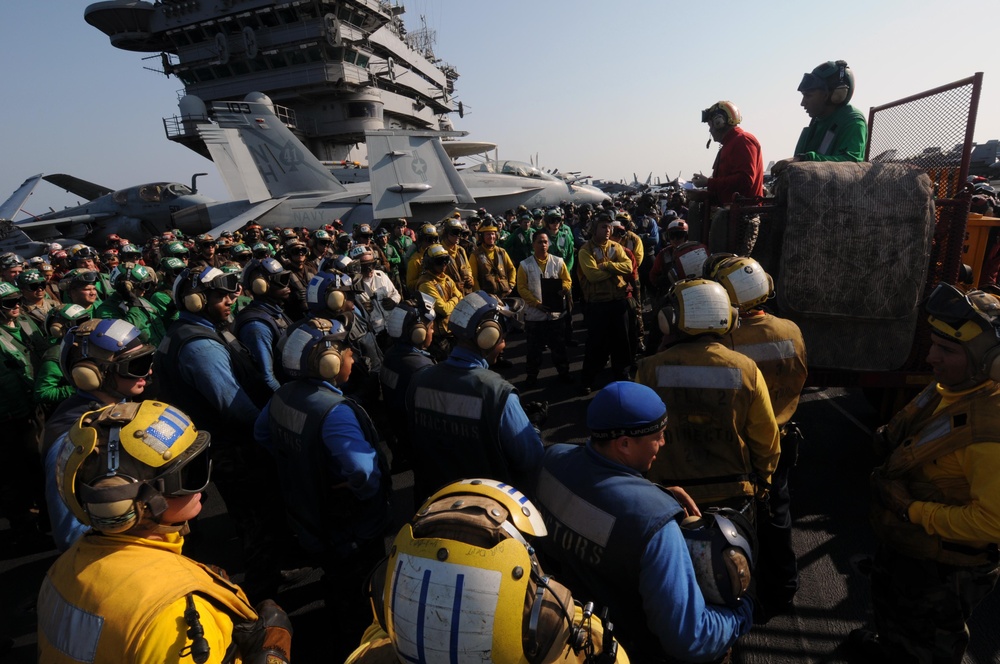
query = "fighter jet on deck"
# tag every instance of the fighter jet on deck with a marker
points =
(136, 212)
(275, 180)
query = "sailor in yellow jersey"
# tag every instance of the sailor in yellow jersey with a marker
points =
(777, 348)
(936, 498)
(469, 549)
(123, 592)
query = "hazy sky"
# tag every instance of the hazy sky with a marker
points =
(606, 88)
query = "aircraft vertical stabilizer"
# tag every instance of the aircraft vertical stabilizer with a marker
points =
(283, 162)
(235, 164)
(411, 167)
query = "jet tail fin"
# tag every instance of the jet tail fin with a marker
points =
(13, 204)
(410, 167)
(255, 139)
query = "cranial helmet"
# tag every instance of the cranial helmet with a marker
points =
(410, 320)
(483, 319)
(721, 114)
(192, 284)
(427, 232)
(834, 77)
(723, 548)
(743, 278)
(64, 317)
(436, 255)
(131, 278)
(125, 459)
(462, 582)
(313, 349)
(972, 320)
(264, 276)
(30, 278)
(698, 306)
(95, 350)
(328, 292)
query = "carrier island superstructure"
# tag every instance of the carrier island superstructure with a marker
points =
(341, 66)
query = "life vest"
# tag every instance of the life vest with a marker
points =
(91, 609)
(919, 435)
(708, 390)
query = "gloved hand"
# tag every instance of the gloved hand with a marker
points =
(892, 494)
(537, 411)
(268, 640)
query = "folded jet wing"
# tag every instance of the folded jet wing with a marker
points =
(13, 204)
(75, 185)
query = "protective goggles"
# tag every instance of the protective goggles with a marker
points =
(224, 282)
(298, 251)
(952, 313)
(10, 303)
(88, 277)
(85, 252)
(281, 280)
(137, 366)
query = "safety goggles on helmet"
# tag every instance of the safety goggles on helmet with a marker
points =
(84, 252)
(214, 279)
(961, 317)
(136, 364)
(124, 458)
(10, 303)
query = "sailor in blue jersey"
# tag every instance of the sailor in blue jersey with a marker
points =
(616, 538)
(465, 420)
(335, 480)
(411, 326)
(263, 323)
(204, 370)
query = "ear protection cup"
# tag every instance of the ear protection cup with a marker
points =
(116, 516)
(194, 302)
(719, 121)
(991, 361)
(839, 95)
(488, 335)
(57, 331)
(335, 300)
(418, 335)
(328, 364)
(87, 376)
(667, 319)
(259, 286)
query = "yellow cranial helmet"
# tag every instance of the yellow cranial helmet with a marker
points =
(462, 583)
(123, 460)
(743, 278)
(973, 320)
(698, 306)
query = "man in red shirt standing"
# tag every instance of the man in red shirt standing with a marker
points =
(738, 169)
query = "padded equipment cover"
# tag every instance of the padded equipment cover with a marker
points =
(854, 260)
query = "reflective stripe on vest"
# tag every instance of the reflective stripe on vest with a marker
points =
(717, 378)
(768, 351)
(459, 405)
(591, 522)
(71, 630)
